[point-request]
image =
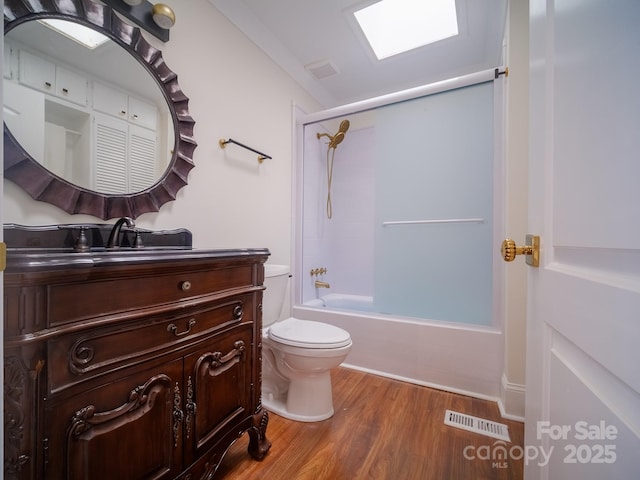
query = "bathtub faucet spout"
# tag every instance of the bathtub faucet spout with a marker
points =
(320, 284)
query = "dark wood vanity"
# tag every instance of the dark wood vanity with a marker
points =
(131, 364)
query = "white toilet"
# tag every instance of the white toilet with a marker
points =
(297, 356)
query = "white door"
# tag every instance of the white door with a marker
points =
(583, 331)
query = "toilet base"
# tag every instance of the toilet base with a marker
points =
(307, 400)
(278, 406)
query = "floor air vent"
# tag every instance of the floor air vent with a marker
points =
(477, 425)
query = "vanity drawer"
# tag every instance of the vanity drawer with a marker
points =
(79, 357)
(78, 301)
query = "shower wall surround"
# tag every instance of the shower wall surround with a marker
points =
(343, 244)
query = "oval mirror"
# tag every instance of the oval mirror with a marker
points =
(103, 131)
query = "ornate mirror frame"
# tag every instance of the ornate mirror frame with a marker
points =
(40, 183)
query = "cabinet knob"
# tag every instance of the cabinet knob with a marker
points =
(47, 84)
(65, 91)
(185, 286)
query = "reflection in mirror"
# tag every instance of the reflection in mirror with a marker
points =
(84, 113)
(93, 116)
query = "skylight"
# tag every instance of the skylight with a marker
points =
(396, 26)
(76, 32)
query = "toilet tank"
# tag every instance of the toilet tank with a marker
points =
(276, 279)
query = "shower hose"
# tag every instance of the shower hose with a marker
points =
(331, 152)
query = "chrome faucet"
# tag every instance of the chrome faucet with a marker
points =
(114, 237)
(320, 284)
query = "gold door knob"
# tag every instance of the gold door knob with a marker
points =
(531, 250)
(509, 250)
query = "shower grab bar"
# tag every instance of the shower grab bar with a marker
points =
(261, 156)
(447, 220)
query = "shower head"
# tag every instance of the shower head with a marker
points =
(335, 140)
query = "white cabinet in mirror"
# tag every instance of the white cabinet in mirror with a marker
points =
(90, 128)
(125, 154)
(41, 74)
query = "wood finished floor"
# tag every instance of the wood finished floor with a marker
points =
(382, 429)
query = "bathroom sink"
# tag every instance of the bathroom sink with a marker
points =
(63, 238)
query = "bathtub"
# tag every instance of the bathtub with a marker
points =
(340, 301)
(459, 358)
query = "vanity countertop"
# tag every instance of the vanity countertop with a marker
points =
(23, 260)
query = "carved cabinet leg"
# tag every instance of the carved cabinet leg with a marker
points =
(259, 445)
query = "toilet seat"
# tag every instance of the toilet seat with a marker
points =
(308, 334)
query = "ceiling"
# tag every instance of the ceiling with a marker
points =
(299, 33)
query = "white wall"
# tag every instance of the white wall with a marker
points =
(235, 91)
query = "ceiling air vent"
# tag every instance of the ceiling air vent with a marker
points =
(477, 425)
(322, 69)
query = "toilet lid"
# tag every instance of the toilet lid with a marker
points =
(308, 334)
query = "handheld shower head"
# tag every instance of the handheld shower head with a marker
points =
(335, 140)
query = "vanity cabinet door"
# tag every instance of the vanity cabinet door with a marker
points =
(129, 427)
(218, 379)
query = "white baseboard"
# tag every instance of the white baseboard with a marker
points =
(444, 388)
(511, 401)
